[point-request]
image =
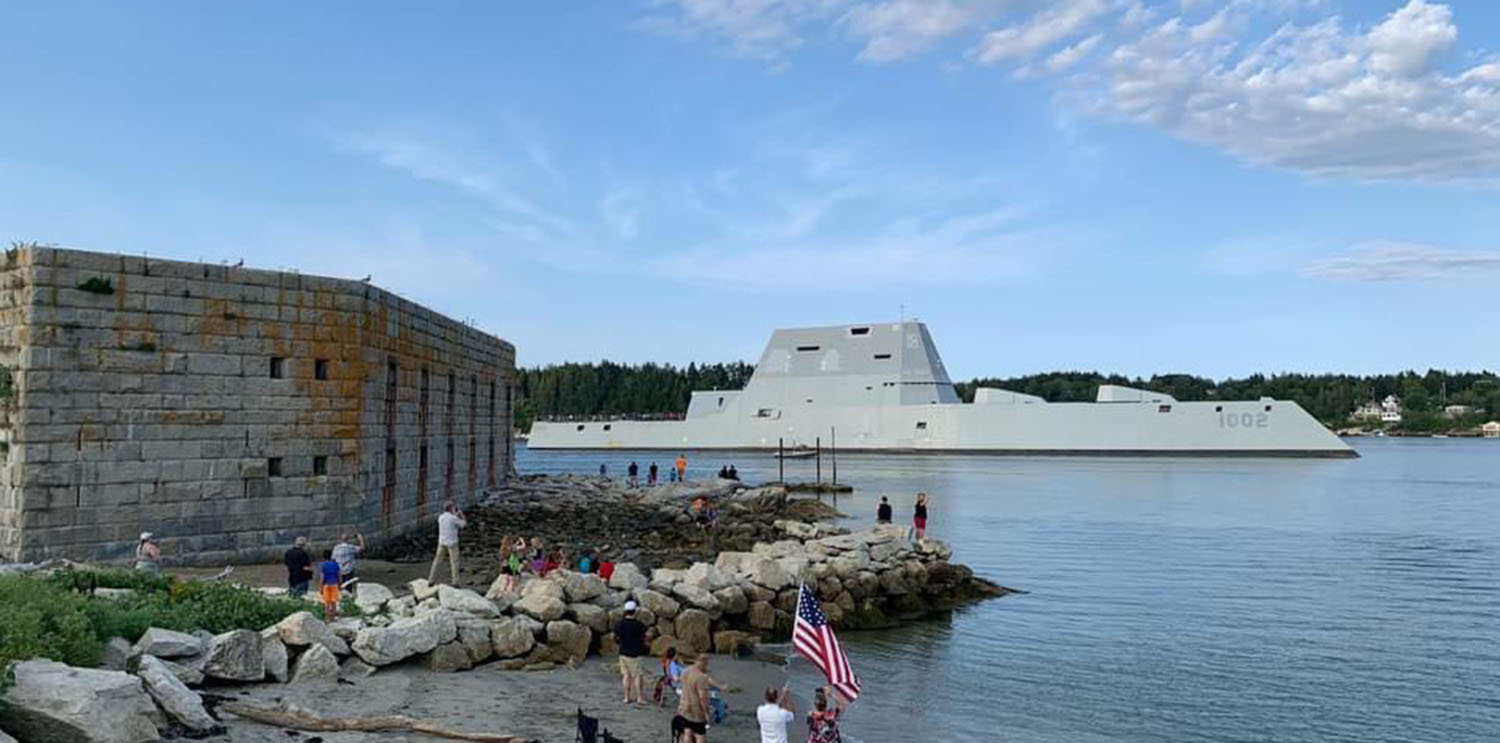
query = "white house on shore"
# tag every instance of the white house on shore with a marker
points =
(1385, 411)
(1490, 430)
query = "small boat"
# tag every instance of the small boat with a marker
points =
(796, 454)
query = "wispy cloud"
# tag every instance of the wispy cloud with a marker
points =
(1397, 261)
(1276, 83)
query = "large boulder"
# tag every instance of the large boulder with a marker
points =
(467, 602)
(179, 702)
(734, 563)
(768, 574)
(628, 577)
(421, 589)
(235, 656)
(474, 638)
(371, 597)
(692, 631)
(498, 593)
(662, 579)
(346, 629)
(511, 638)
(401, 639)
(698, 596)
(303, 629)
(191, 675)
(354, 669)
(704, 575)
(732, 600)
(579, 587)
(542, 604)
(661, 605)
(115, 654)
(273, 652)
(761, 615)
(734, 642)
(594, 617)
(448, 658)
(316, 665)
(49, 702)
(568, 641)
(164, 643)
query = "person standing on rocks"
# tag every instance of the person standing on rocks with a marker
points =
(345, 552)
(630, 633)
(883, 511)
(328, 571)
(299, 570)
(633, 472)
(919, 517)
(148, 555)
(651, 475)
(773, 716)
(449, 523)
(681, 467)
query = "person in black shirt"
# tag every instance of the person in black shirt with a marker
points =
(883, 511)
(919, 516)
(630, 633)
(298, 568)
(633, 472)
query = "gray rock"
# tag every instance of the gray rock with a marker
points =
(704, 575)
(51, 702)
(588, 615)
(692, 631)
(303, 629)
(511, 638)
(189, 673)
(660, 604)
(662, 579)
(421, 589)
(235, 656)
(354, 669)
(735, 563)
(732, 600)
(115, 654)
(448, 658)
(628, 577)
(543, 606)
(474, 637)
(316, 665)
(466, 601)
(761, 615)
(382, 646)
(568, 641)
(346, 629)
(371, 597)
(179, 702)
(698, 596)
(273, 653)
(579, 587)
(164, 643)
(769, 574)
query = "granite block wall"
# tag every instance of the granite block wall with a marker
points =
(229, 410)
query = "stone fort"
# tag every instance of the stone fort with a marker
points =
(229, 410)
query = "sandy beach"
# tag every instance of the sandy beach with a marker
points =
(541, 704)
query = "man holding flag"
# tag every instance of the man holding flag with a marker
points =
(815, 641)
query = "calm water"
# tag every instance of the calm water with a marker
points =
(1277, 600)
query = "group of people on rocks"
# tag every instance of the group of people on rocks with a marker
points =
(333, 573)
(918, 515)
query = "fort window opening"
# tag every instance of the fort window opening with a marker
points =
(882, 356)
(580, 426)
(1268, 408)
(1164, 408)
(921, 425)
(859, 331)
(606, 426)
(273, 467)
(808, 348)
(320, 369)
(278, 367)
(320, 466)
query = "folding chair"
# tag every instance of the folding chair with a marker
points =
(588, 728)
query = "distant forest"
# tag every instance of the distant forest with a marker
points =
(662, 390)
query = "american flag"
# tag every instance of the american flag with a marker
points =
(813, 638)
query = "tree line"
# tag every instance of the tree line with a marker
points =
(608, 389)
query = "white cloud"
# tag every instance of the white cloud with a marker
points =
(1275, 83)
(1398, 261)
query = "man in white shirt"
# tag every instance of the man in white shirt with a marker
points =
(449, 523)
(778, 712)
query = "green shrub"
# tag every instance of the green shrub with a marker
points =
(39, 620)
(96, 285)
(86, 579)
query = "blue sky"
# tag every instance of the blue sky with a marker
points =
(1208, 187)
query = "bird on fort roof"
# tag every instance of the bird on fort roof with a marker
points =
(241, 263)
(366, 279)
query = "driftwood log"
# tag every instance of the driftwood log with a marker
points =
(300, 718)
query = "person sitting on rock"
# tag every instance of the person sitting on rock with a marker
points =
(537, 558)
(671, 677)
(883, 511)
(554, 561)
(734, 473)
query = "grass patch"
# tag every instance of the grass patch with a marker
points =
(55, 617)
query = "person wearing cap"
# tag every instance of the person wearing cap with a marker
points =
(147, 554)
(299, 570)
(630, 634)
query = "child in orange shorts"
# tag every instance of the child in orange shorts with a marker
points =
(329, 570)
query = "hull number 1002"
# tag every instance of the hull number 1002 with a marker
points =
(1244, 420)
